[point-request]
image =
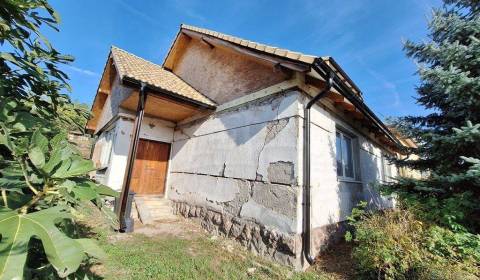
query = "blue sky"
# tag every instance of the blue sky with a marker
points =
(365, 37)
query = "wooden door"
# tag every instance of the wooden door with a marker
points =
(150, 167)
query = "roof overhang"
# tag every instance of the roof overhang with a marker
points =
(345, 93)
(179, 106)
(162, 104)
(325, 66)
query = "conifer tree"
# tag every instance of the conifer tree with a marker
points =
(448, 136)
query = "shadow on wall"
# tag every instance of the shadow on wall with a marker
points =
(241, 124)
(371, 169)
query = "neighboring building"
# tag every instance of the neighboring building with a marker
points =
(222, 137)
(407, 143)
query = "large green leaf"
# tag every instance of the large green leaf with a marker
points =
(5, 110)
(12, 185)
(64, 253)
(59, 154)
(11, 178)
(84, 192)
(39, 140)
(105, 190)
(37, 157)
(75, 166)
(25, 121)
(5, 137)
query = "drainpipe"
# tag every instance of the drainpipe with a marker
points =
(307, 226)
(142, 97)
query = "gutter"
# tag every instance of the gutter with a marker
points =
(321, 67)
(153, 90)
(307, 225)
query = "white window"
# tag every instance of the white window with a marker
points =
(344, 150)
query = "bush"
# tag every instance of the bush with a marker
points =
(395, 244)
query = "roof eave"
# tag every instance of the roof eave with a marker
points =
(319, 66)
(132, 82)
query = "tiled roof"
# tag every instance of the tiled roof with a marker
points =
(254, 45)
(139, 69)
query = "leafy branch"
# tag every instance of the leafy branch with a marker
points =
(42, 176)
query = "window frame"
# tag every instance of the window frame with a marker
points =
(344, 135)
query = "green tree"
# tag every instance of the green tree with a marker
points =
(73, 116)
(42, 177)
(448, 136)
(434, 233)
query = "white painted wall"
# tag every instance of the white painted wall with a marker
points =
(232, 144)
(112, 104)
(332, 197)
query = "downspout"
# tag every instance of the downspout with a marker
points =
(142, 97)
(307, 226)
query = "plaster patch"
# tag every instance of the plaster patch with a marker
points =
(279, 198)
(281, 172)
(265, 216)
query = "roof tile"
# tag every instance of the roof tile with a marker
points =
(134, 67)
(300, 57)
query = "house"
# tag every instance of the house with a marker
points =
(267, 146)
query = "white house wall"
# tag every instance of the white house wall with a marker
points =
(245, 147)
(332, 198)
(246, 164)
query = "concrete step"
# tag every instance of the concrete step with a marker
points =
(154, 208)
(156, 204)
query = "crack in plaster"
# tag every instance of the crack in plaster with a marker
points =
(273, 129)
(222, 171)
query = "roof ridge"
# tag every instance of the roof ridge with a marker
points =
(274, 50)
(132, 54)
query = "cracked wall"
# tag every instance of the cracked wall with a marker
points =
(243, 162)
(245, 165)
(237, 172)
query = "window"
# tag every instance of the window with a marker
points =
(386, 169)
(344, 149)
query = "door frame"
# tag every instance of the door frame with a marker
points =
(168, 164)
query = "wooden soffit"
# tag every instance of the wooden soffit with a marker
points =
(162, 107)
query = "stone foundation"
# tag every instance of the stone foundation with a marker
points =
(324, 236)
(278, 246)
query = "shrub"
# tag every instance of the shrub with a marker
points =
(395, 244)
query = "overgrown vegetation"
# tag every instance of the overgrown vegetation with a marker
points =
(42, 177)
(435, 232)
(395, 244)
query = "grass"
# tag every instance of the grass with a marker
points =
(143, 257)
(184, 251)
